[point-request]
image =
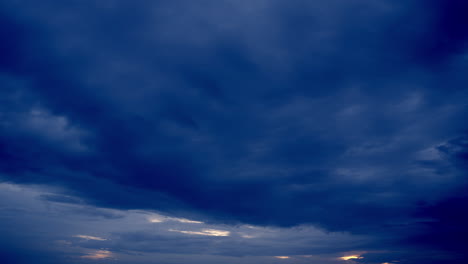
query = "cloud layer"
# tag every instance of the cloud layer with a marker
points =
(348, 116)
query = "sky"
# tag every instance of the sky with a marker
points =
(234, 132)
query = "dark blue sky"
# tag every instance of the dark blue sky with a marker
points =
(238, 132)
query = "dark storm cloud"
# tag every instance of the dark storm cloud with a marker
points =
(339, 115)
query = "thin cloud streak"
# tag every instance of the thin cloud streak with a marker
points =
(204, 232)
(90, 237)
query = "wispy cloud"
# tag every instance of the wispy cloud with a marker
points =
(90, 237)
(161, 219)
(98, 254)
(204, 232)
(186, 221)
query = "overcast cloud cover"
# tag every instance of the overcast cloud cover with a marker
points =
(261, 131)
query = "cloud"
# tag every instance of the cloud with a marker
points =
(352, 257)
(204, 232)
(98, 254)
(154, 218)
(90, 237)
(72, 233)
(264, 113)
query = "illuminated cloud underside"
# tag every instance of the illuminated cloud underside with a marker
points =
(187, 221)
(204, 232)
(351, 257)
(161, 219)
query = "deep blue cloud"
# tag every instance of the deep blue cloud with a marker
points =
(347, 115)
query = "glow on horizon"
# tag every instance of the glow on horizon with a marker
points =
(282, 257)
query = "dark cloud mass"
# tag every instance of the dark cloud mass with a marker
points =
(346, 115)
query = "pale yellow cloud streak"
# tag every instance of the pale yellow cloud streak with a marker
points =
(204, 232)
(351, 257)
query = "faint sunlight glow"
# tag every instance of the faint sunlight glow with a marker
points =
(98, 254)
(281, 257)
(351, 257)
(204, 232)
(90, 237)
